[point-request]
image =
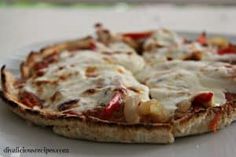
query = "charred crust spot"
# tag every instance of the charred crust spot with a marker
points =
(23, 69)
(90, 91)
(5, 99)
(196, 56)
(39, 73)
(66, 76)
(71, 113)
(3, 78)
(134, 89)
(120, 70)
(55, 96)
(86, 43)
(106, 31)
(89, 37)
(44, 82)
(67, 105)
(108, 60)
(52, 57)
(31, 56)
(91, 71)
(169, 58)
(187, 41)
(108, 53)
(34, 112)
(97, 25)
(61, 67)
(129, 53)
(40, 65)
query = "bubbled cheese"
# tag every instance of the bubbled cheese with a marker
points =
(78, 72)
(176, 81)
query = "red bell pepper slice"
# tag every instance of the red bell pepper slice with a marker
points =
(92, 46)
(202, 39)
(40, 65)
(137, 35)
(113, 105)
(45, 62)
(214, 122)
(231, 49)
(30, 100)
(202, 99)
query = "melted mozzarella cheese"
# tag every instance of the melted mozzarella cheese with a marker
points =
(67, 80)
(180, 52)
(165, 44)
(122, 54)
(175, 81)
(164, 38)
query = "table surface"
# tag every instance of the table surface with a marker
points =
(20, 27)
(23, 27)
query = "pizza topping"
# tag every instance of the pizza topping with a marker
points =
(202, 39)
(79, 83)
(174, 82)
(214, 122)
(90, 91)
(92, 45)
(44, 63)
(71, 113)
(39, 73)
(100, 85)
(230, 97)
(114, 105)
(51, 58)
(231, 49)
(40, 65)
(117, 53)
(163, 38)
(154, 110)
(219, 42)
(19, 83)
(136, 110)
(195, 56)
(185, 51)
(131, 109)
(137, 35)
(183, 106)
(134, 89)
(91, 71)
(165, 45)
(29, 99)
(203, 99)
(67, 105)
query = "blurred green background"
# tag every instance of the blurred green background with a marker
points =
(104, 3)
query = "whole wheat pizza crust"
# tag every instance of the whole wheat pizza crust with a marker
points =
(90, 128)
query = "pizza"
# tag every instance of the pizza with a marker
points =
(141, 87)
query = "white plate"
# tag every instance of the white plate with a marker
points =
(15, 132)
